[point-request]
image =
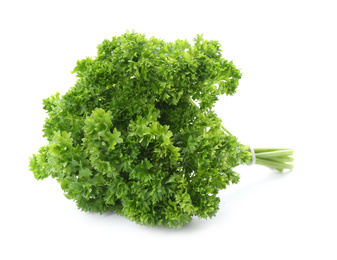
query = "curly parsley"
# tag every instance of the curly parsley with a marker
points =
(137, 134)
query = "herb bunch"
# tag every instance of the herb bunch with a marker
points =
(137, 134)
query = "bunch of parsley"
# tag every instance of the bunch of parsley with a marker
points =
(137, 134)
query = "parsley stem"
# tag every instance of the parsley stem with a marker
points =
(275, 153)
(274, 158)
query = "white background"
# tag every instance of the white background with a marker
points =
(286, 98)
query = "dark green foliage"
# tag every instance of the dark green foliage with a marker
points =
(137, 133)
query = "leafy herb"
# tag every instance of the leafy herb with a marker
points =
(137, 133)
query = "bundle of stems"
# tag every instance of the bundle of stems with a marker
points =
(279, 159)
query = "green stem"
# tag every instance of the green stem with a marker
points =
(274, 164)
(274, 154)
(262, 150)
(274, 158)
